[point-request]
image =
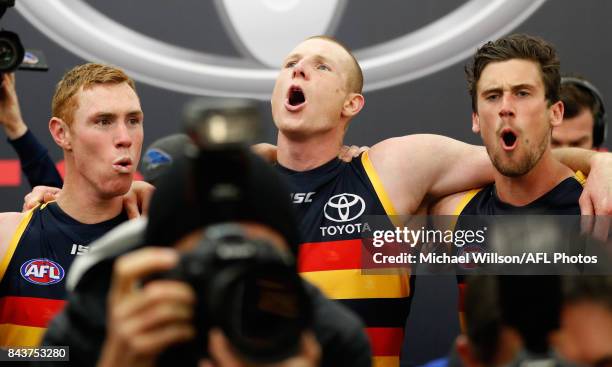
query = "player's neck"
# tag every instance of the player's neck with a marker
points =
(309, 153)
(520, 191)
(83, 203)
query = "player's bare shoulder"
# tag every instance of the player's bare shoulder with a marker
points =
(407, 166)
(9, 222)
(415, 152)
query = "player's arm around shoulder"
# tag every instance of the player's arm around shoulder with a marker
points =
(415, 167)
(8, 225)
(447, 205)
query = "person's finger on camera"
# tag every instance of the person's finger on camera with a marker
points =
(142, 321)
(160, 302)
(151, 344)
(168, 301)
(142, 350)
(145, 325)
(142, 313)
(130, 268)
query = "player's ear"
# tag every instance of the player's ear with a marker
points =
(60, 131)
(556, 113)
(475, 123)
(352, 105)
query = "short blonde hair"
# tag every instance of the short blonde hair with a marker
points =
(355, 79)
(85, 76)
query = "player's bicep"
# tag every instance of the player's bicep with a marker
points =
(8, 226)
(446, 205)
(403, 167)
(459, 167)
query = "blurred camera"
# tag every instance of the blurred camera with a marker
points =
(221, 130)
(247, 288)
(12, 53)
(11, 49)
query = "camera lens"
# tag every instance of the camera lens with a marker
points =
(11, 51)
(273, 308)
(266, 310)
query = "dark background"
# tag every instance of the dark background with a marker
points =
(437, 103)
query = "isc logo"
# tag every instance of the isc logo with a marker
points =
(301, 197)
(42, 271)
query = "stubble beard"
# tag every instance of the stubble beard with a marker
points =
(523, 166)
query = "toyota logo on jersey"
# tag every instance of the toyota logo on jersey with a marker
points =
(42, 271)
(344, 207)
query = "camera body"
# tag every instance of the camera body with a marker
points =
(249, 289)
(11, 49)
(12, 53)
(245, 285)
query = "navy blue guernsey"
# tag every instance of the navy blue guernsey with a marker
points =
(561, 200)
(36, 163)
(332, 202)
(33, 273)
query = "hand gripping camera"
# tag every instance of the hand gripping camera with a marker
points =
(245, 286)
(248, 289)
(12, 53)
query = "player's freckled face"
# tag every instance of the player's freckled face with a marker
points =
(106, 137)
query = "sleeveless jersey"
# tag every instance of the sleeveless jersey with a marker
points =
(561, 200)
(33, 272)
(332, 202)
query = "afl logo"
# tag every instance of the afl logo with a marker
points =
(344, 207)
(42, 272)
